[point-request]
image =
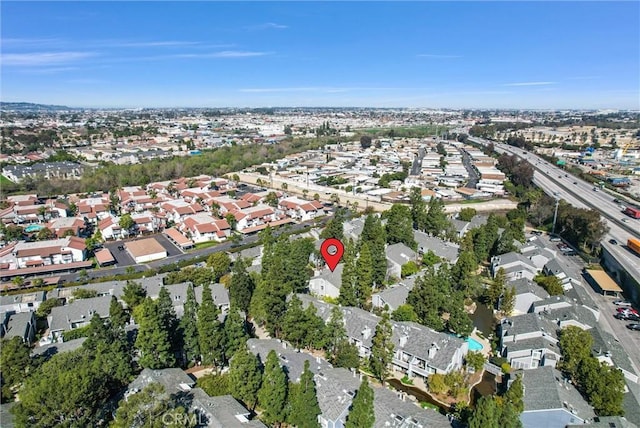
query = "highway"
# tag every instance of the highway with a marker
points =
(581, 195)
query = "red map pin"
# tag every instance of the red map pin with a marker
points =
(332, 250)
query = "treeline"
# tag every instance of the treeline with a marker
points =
(489, 130)
(601, 384)
(215, 162)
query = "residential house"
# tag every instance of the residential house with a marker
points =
(551, 401)
(527, 292)
(353, 228)
(398, 255)
(27, 302)
(300, 209)
(568, 276)
(327, 283)
(76, 314)
(64, 226)
(204, 411)
(21, 324)
(515, 265)
(529, 341)
(110, 229)
(202, 227)
(445, 250)
(251, 217)
(395, 295)
(56, 251)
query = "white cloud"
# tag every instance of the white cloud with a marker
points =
(154, 44)
(530, 84)
(268, 26)
(42, 58)
(223, 54)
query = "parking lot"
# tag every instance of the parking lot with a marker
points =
(123, 258)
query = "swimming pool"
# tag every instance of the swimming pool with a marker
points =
(33, 228)
(474, 345)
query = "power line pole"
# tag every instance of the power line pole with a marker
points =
(555, 216)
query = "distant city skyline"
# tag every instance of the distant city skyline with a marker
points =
(520, 55)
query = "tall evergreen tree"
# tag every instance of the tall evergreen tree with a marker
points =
(209, 329)
(364, 272)
(361, 414)
(220, 263)
(437, 222)
(245, 377)
(334, 331)
(273, 392)
(235, 333)
(334, 227)
(400, 226)
(189, 327)
(304, 405)
(374, 234)
(293, 322)
(486, 414)
(508, 302)
(241, 287)
(153, 338)
(166, 311)
(348, 295)
(381, 349)
(515, 394)
(133, 294)
(418, 209)
(118, 316)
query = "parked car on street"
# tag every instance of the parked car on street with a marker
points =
(622, 303)
(627, 311)
(634, 326)
(627, 317)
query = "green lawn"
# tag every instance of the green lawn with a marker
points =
(4, 180)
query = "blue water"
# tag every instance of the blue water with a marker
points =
(33, 228)
(474, 345)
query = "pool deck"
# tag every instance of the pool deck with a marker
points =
(486, 346)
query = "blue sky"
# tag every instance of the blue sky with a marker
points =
(371, 54)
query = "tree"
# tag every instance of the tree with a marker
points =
(293, 328)
(18, 281)
(437, 222)
(603, 385)
(209, 329)
(381, 349)
(117, 315)
(44, 234)
(231, 219)
(245, 377)
(45, 307)
(235, 333)
(334, 227)
(515, 394)
(467, 214)
(133, 294)
(271, 199)
(272, 396)
(497, 287)
(575, 345)
(334, 332)
(550, 283)
(364, 273)
(361, 414)
(374, 234)
(400, 226)
(348, 295)
(418, 209)
(14, 363)
(215, 384)
(508, 302)
(241, 287)
(409, 268)
(346, 355)
(189, 327)
(166, 312)
(475, 360)
(153, 340)
(151, 408)
(486, 414)
(126, 222)
(304, 404)
(436, 384)
(365, 142)
(404, 313)
(220, 263)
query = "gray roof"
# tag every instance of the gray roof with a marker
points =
(604, 343)
(477, 221)
(18, 325)
(527, 323)
(6, 417)
(223, 411)
(57, 348)
(394, 296)
(391, 411)
(291, 359)
(400, 253)
(170, 378)
(577, 313)
(554, 267)
(420, 338)
(37, 296)
(533, 343)
(335, 389)
(546, 389)
(460, 225)
(251, 253)
(334, 278)
(443, 249)
(608, 422)
(353, 228)
(525, 285)
(512, 257)
(80, 310)
(631, 402)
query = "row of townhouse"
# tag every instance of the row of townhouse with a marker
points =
(44, 253)
(419, 351)
(336, 388)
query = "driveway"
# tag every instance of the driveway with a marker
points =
(122, 256)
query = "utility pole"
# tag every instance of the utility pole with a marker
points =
(555, 216)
